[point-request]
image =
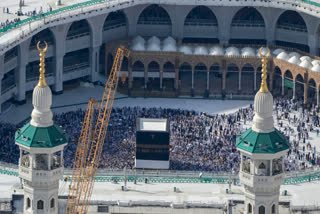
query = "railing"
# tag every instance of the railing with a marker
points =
(8, 89)
(86, 4)
(247, 23)
(9, 57)
(74, 36)
(152, 20)
(172, 176)
(71, 68)
(292, 27)
(34, 78)
(109, 27)
(200, 22)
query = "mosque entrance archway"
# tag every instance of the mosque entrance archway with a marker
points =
(247, 80)
(138, 82)
(215, 79)
(153, 76)
(288, 84)
(299, 87)
(232, 79)
(168, 77)
(312, 92)
(185, 78)
(200, 79)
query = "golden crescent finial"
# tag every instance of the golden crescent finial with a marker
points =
(264, 86)
(43, 50)
(261, 55)
(42, 81)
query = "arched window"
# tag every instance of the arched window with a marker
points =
(154, 15)
(273, 209)
(114, 20)
(78, 29)
(249, 208)
(44, 35)
(52, 203)
(40, 205)
(28, 203)
(262, 166)
(153, 67)
(262, 210)
(168, 67)
(138, 66)
(201, 16)
(291, 20)
(248, 17)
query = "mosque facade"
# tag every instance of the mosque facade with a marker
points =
(226, 33)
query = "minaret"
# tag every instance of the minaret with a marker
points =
(41, 144)
(262, 150)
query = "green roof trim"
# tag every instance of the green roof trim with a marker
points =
(41, 137)
(263, 143)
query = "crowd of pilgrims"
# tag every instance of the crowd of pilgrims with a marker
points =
(198, 141)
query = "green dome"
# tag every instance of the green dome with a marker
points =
(268, 143)
(41, 137)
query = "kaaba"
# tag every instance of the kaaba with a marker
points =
(152, 143)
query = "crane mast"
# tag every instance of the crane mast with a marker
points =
(91, 140)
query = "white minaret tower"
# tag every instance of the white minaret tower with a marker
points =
(262, 149)
(41, 144)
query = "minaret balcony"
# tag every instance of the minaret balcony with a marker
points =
(37, 175)
(254, 180)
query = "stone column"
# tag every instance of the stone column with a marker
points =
(94, 63)
(23, 60)
(58, 85)
(130, 78)
(271, 81)
(49, 161)
(224, 74)
(161, 79)
(305, 94)
(239, 87)
(61, 158)
(271, 167)
(312, 43)
(282, 85)
(192, 79)
(96, 24)
(208, 80)
(255, 81)
(224, 32)
(176, 70)
(176, 82)
(294, 90)
(20, 156)
(317, 94)
(132, 22)
(60, 46)
(145, 76)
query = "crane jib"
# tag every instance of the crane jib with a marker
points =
(91, 140)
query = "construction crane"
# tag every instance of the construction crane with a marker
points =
(91, 140)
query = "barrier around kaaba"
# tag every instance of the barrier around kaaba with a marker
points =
(152, 143)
